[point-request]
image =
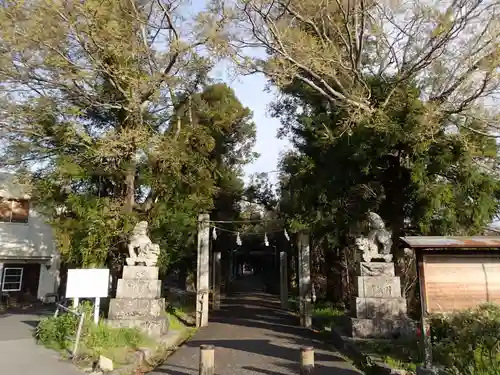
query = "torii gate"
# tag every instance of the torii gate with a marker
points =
(203, 276)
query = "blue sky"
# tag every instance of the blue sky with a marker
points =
(250, 90)
(252, 93)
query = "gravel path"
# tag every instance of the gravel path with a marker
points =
(253, 336)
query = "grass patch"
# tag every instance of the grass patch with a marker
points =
(178, 319)
(399, 354)
(174, 322)
(403, 353)
(326, 315)
(118, 344)
(181, 315)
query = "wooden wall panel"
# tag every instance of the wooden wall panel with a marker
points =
(455, 282)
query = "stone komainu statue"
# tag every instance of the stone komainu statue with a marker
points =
(142, 251)
(378, 243)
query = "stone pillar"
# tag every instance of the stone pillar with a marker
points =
(1, 275)
(283, 280)
(378, 310)
(203, 271)
(305, 280)
(216, 280)
(138, 302)
(231, 266)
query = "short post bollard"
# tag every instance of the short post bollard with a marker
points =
(306, 360)
(207, 360)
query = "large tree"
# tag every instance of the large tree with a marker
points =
(231, 132)
(443, 183)
(104, 75)
(450, 49)
(97, 103)
(436, 185)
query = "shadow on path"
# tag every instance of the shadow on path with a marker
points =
(252, 335)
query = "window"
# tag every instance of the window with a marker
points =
(12, 279)
(14, 210)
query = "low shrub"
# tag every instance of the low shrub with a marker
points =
(468, 342)
(325, 315)
(96, 339)
(57, 332)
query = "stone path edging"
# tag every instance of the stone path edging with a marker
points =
(168, 344)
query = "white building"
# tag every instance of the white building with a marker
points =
(29, 261)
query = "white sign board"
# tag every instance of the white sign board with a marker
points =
(87, 283)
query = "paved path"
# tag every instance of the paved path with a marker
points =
(19, 353)
(253, 336)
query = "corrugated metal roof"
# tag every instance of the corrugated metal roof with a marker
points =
(456, 242)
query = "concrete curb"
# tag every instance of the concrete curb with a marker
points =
(167, 344)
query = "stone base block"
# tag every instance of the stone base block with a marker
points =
(378, 286)
(138, 288)
(379, 308)
(378, 328)
(155, 327)
(376, 269)
(127, 308)
(140, 272)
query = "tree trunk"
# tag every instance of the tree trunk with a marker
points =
(129, 200)
(396, 181)
(333, 275)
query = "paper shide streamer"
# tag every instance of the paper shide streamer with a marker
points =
(238, 237)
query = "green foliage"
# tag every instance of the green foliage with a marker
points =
(419, 169)
(325, 315)
(421, 179)
(118, 130)
(59, 333)
(197, 171)
(401, 353)
(312, 43)
(227, 123)
(86, 237)
(101, 338)
(468, 342)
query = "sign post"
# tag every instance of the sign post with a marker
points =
(88, 283)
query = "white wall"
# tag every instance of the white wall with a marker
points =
(34, 239)
(31, 241)
(48, 283)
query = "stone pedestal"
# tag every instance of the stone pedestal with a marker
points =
(378, 310)
(138, 302)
